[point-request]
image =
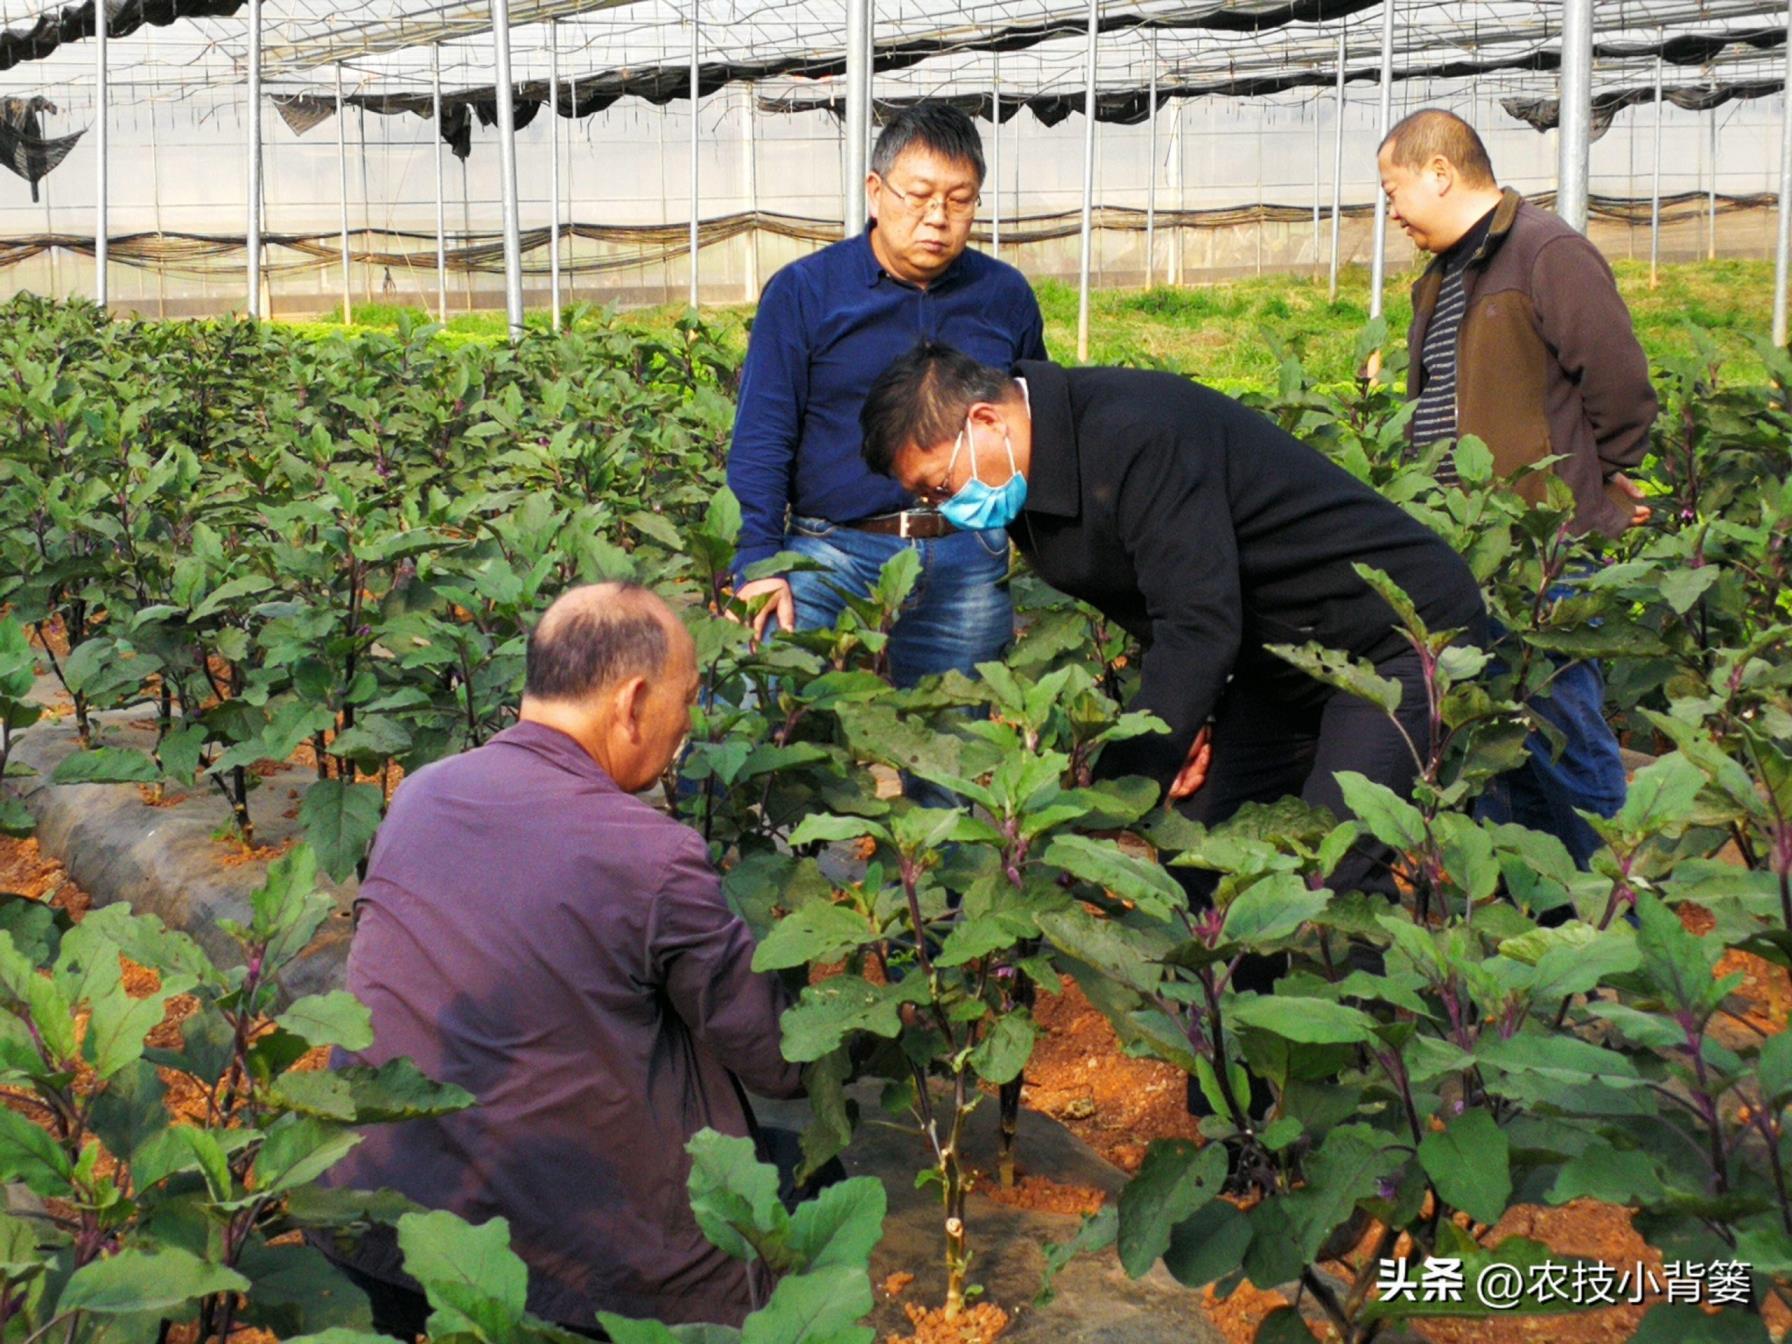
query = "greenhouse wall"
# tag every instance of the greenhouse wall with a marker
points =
(181, 167)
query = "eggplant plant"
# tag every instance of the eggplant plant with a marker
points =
(148, 1219)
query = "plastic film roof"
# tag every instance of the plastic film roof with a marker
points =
(791, 50)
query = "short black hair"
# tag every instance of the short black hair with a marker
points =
(937, 126)
(923, 397)
(1431, 132)
(594, 637)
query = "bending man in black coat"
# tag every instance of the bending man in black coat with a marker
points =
(1206, 532)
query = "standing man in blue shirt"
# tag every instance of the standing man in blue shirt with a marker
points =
(827, 326)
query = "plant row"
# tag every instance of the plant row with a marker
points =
(277, 547)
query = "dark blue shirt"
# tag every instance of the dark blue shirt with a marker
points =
(827, 325)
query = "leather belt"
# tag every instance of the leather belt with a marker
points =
(921, 524)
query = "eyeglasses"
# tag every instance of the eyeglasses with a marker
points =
(918, 207)
(934, 495)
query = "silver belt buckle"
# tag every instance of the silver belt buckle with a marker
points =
(902, 525)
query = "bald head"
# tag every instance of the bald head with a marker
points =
(612, 667)
(597, 635)
(1432, 133)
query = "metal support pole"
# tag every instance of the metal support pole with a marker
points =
(1711, 202)
(858, 115)
(1151, 173)
(1082, 298)
(752, 155)
(572, 186)
(155, 184)
(253, 238)
(435, 86)
(696, 41)
(1782, 256)
(1318, 180)
(1575, 91)
(50, 231)
(870, 77)
(1176, 185)
(554, 171)
(366, 209)
(100, 213)
(1379, 261)
(513, 239)
(466, 234)
(995, 155)
(342, 177)
(1655, 189)
(1338, 166)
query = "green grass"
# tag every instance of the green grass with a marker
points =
(1223, 333)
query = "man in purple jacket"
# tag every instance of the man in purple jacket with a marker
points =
(533, 932)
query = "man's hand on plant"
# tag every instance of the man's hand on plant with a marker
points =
(1640, 513)
(781, 603)
(1193, 774)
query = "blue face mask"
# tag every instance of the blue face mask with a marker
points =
(976, 505)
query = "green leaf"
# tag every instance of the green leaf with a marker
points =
(16, 819)
(339, 820)
(1208, 1246)
(1004, 1050)
(1775, 1067)
(129, 1111)
(1660, 796)
(1284, 1325)
(1310, 1021)
(814, 932)
(1470, 1164)
(294, 1289)
(1681, 586)
(1390, 818)
(133, 1281)
(1347, 1168)
(106, 765)
(1474, 461)
(816, 1308)
(831, 1011)
(472, 1278)
(299, 1149)
(983, 934)
(1353, 676)
(1687, 1323)
(1101, 862)
(1175, 1179)
(622, 1330)
(840, 1226)
(360, 1094)
(832, 1114)
(118, 1024)
(734, 1197)
(1270, 909)
(825, 827)
(30, 1155)
(1613, 1175)
(335, 1018)
(1677, 962)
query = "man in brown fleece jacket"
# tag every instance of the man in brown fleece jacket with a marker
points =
(1519, 337)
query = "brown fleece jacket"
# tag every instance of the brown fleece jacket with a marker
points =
(1546, 360)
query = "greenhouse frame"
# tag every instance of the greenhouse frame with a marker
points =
(773, 105)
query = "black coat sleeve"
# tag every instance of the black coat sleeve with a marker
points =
(1175, 522)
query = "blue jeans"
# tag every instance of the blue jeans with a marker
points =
(957, 615)
(1543, 792)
